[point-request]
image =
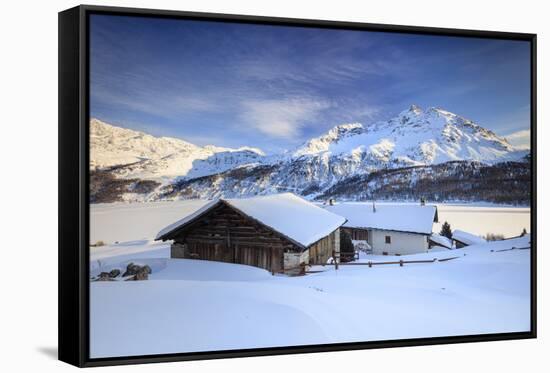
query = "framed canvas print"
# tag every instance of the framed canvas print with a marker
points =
(239, 186)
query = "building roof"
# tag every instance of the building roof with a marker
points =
(441, 241)
(186, 219)
(394, 217)
(300, 221)
(467, 238)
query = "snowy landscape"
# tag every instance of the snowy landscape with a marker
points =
(271, 186)
(190, 305)
(151, 184)
(178, 308)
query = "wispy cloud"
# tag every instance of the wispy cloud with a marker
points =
(520, 139)
(274, 86)
(282, 118)
(165, 104)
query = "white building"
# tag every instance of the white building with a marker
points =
(389, 229)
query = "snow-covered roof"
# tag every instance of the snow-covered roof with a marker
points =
(394, 217)
(467, 238)
(295, 218)
(186, 219)
(441, 240)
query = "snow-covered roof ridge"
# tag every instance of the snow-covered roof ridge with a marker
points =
(186, 219)
(293, 217)
(394, 217)
(467, 238)
(441, 240)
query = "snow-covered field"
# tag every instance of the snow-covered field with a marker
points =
(111, 222)
(480, 220)
(192, 305)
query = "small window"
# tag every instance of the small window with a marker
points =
(388, 239)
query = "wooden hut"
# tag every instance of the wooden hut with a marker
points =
(280, 233)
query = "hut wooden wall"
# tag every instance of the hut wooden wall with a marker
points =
(227, 236)
(321, 251)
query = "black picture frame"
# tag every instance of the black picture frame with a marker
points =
(74, 180)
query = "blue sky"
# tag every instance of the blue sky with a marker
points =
(274, 87)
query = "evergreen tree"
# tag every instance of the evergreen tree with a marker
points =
(446, 230)
(347, 250)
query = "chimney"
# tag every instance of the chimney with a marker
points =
(373, 206)
(422, 201)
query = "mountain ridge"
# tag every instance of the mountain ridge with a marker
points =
(431, 133)
(414, 138)
(138, 154)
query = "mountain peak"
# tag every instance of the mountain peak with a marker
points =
(412, 112)
(415, 109)
(416, 136)
(343, 129)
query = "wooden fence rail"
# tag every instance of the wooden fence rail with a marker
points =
(513, 248)
(401, 263)
(447, 259)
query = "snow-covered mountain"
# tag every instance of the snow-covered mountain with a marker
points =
(134, 154)
(414, 138)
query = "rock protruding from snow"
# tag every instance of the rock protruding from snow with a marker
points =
(137, 272)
